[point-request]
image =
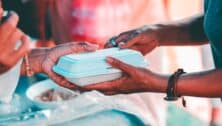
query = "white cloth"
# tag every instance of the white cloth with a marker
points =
(8, 83)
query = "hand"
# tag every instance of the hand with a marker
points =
(143, 39)
(9, 36)
(136, 80)
(43, 59)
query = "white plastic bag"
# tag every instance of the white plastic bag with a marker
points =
(8, 83)
(92, 103)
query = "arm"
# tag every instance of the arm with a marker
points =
(145, 39)
(41, 60)
(186, 32)
(201, 84)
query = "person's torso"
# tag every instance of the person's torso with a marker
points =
(213, 28)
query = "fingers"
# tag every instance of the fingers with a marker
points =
(24, 47)
(69, 48)
(110, 93)
(61, 81)
(111, 43)
(120, 65)
(9, 36)
(22, 50)
(115, 92)
(85, 46)
(45, 66)
(111, 86)
(74, 48)
(14, 38)
(130, 42)
(16, 55)
(128, 39)
(141, 48)
(9, 26)
(114, 41)
(108, 45)
(122, 36)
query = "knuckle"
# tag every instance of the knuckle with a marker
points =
(82, 44)
(63, 83)
(123, 33)
(18, 32)
(114, 87)
(134, 72)
(16, 16)
(80, 47)
(73, 46)
(116, 62)
(15, 36)
(60, 80)
(70, 44)
(56, 79)
(8, 26)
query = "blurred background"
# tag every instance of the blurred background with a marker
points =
(51, 22)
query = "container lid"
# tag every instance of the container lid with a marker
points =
(94, 63)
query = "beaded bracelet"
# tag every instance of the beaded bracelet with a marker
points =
(28, 69)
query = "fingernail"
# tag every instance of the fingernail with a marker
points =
(70, 85)
(13, 19)
(121, 44)
(109, 59)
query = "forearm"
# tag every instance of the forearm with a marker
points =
(202, 84)
(185, 32)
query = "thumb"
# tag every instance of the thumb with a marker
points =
(82, 47)
(129, 69)
(70, 48)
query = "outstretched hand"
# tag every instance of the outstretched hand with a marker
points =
(143, 39)
(43, 59)
(134, 80)
(10, 36)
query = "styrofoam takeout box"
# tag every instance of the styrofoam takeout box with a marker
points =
(89, 68)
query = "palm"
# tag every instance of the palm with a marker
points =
(45, 59)
(47, 64)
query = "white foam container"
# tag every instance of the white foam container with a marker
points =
(95, 79)
(90, 68)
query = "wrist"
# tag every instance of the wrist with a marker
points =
(162, 33)
(36, 58)
(154, 32)
(157, 83)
